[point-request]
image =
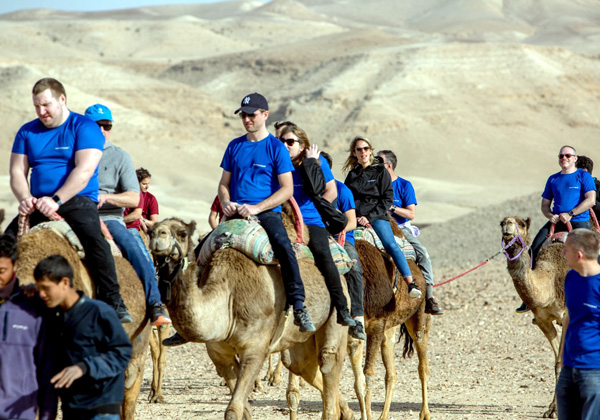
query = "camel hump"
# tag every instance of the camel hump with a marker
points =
(249, 237)
(62, 228)
(369, 235)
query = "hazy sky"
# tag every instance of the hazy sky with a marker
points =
(7, 6)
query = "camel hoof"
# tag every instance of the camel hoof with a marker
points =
(551, 413)
(156, 399)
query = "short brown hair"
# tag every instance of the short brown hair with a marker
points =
(142, 173)
(586, 241)
(54, 85)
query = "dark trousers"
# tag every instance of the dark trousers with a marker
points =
(319, 246)
(81, 213)
(539, 239)
(354, 277)
(282, 249)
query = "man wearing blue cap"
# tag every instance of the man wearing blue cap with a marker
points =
(62, 150)
(119, 188)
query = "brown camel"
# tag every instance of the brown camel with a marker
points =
(236, 306)
(542, 289)
(41, 243)
(384, 311)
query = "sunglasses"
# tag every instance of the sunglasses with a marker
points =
(105, 126)
(360, 149)
(566, 155)
(289, 142)
(245, 115)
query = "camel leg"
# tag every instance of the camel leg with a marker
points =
(292, 394)
(158, 353)
(418, 327)
(134, 374)
(387, 355)
(375, 335)
(276, 377)
(355, 351)
(551, 334)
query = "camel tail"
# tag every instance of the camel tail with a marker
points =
(408, 342)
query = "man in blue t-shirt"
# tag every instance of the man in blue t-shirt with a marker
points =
(571, 192)
(62, 149)
(403, 211)
(578, 386)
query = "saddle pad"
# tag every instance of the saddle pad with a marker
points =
(369, 235)
(62, 228)
(249, 237)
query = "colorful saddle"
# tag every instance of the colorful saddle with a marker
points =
(369, 235)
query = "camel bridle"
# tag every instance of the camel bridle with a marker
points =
(515, 238)
(171, 276)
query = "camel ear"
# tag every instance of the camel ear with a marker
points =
(191, 227)
(528, 222)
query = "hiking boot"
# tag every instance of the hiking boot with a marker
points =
(413, 291)
(158, 315)
(431, 307)
(344, 318)
(174, 340)
(522, 309)
(302, 319)
(358, 331)
(123, 314)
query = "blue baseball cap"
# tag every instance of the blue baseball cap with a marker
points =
(253, 102)
(99, 112)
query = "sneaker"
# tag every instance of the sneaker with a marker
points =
(123, 314)
(158, 315)
(344, 318)
(522, 309)
(431, 307)
(413, 291)
(302, 319)
(358, 331)
(174, 340)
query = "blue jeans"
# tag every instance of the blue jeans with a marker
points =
(136, 235)
(578, 394)
(106, 417)
(141, 262)
(384, 232)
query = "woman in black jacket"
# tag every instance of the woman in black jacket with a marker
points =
(371, 186)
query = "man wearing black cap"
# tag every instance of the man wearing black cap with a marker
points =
(256, 180)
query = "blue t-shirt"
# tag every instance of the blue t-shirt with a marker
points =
(254, 167)
(345, 202)
(51, 152)
(309, 212)
(567, 191)
(404, 196)
(582, 342)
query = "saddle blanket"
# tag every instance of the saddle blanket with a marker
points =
(249, 237)
(369, 235)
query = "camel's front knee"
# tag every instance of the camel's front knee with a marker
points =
(328, 359)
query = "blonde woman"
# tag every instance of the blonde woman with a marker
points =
(371, 186)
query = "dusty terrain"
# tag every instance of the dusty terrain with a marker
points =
(476, 97)
(487, 362)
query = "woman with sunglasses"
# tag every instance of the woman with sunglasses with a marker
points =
(371, 186)
(299, 147)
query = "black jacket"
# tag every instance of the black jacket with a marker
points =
(372, 190)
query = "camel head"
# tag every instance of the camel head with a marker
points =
(172, 238)
(513, 226)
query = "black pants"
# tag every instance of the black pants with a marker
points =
(81, 213)
(282, 249)
(539, 239)
(319, 246)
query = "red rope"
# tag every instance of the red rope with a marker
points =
(460, 275)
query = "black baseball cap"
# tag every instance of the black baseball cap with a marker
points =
(253, 102)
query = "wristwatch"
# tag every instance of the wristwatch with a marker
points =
(57, 199)
(571, 214)
(393, 209)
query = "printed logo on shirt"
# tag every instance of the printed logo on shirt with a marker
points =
(20, 327)
(574, 187)
(259, 165)
(372, 180)
(62, 148)
(590, 305)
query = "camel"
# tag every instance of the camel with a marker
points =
(384, 312)
(542, 289)
(40, 243)
(237, 307)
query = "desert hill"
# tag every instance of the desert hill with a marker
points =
(475, 97)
